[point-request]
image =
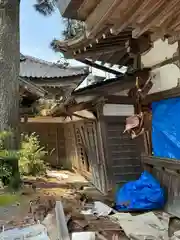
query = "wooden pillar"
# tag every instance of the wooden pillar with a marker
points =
(179, 51)
(25, 118)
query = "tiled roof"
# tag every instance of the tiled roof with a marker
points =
(31, 87)
(36, 68)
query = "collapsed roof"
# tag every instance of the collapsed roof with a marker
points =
(51, 77)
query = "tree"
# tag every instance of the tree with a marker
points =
(10, 61)
(72, 29)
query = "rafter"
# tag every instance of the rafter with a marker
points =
(98, 66)
(162, 12)
(96, 19)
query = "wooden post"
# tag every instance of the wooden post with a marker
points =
(179, 51)
(25, 118)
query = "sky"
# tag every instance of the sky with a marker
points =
(37, 31)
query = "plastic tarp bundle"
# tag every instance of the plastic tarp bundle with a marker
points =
(142, 194)
(166, 128)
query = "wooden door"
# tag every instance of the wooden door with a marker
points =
(87, 142)
(71, 148)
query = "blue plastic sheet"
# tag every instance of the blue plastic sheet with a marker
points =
(166, 128)
(143, 194)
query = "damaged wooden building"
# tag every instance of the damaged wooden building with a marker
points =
(144, 36)
(42, 86)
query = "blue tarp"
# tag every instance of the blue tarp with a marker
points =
(166, 128)
(143, 194)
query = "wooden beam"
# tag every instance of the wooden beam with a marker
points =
(172, 93)
(106, 58)
(100, 67)
(178, 51)
(116, 57)
(79, 107)
(161, 11)
(165, 62)
(82, 117)
(161, 162)
(102, 12)
(174, 38)
(93, 55)
(86, 8)
(101, 49)
(110, 86)
(129, 16)
(114, 99)
(124, 60)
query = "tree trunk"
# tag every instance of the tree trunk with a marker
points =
(9, 67)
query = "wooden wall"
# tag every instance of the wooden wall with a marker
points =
(51, 135)
(123, 154)
(71, 147)
(167, 172)
(83, 150)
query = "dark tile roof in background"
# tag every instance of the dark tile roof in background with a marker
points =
(36, 68)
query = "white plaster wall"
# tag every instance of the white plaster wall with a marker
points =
(165, 78)
(160, 52)
(118, 110)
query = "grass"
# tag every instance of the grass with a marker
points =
(8, 199)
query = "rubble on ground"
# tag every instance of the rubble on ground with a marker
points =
(88, 217)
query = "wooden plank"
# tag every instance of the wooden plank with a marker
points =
(63, 233)
(129, 16)
(114, 99)
(116, 57)
(86, 8)
(96, 19)
(162, 9)
(162, 162)
(95, 52)
(102, 147)
(172, 93)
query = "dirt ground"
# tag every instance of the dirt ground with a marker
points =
(64, 186)
(69, 188)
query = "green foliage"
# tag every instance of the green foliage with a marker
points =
(8, 164)
(45, 7)
(73, 28)
(4, 137)
(5, 172)
(31, 156)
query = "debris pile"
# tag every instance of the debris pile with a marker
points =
(108, 224)
(41, 206)
(50, 220)
(80, 215)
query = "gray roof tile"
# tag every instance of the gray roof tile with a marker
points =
(36, 68)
